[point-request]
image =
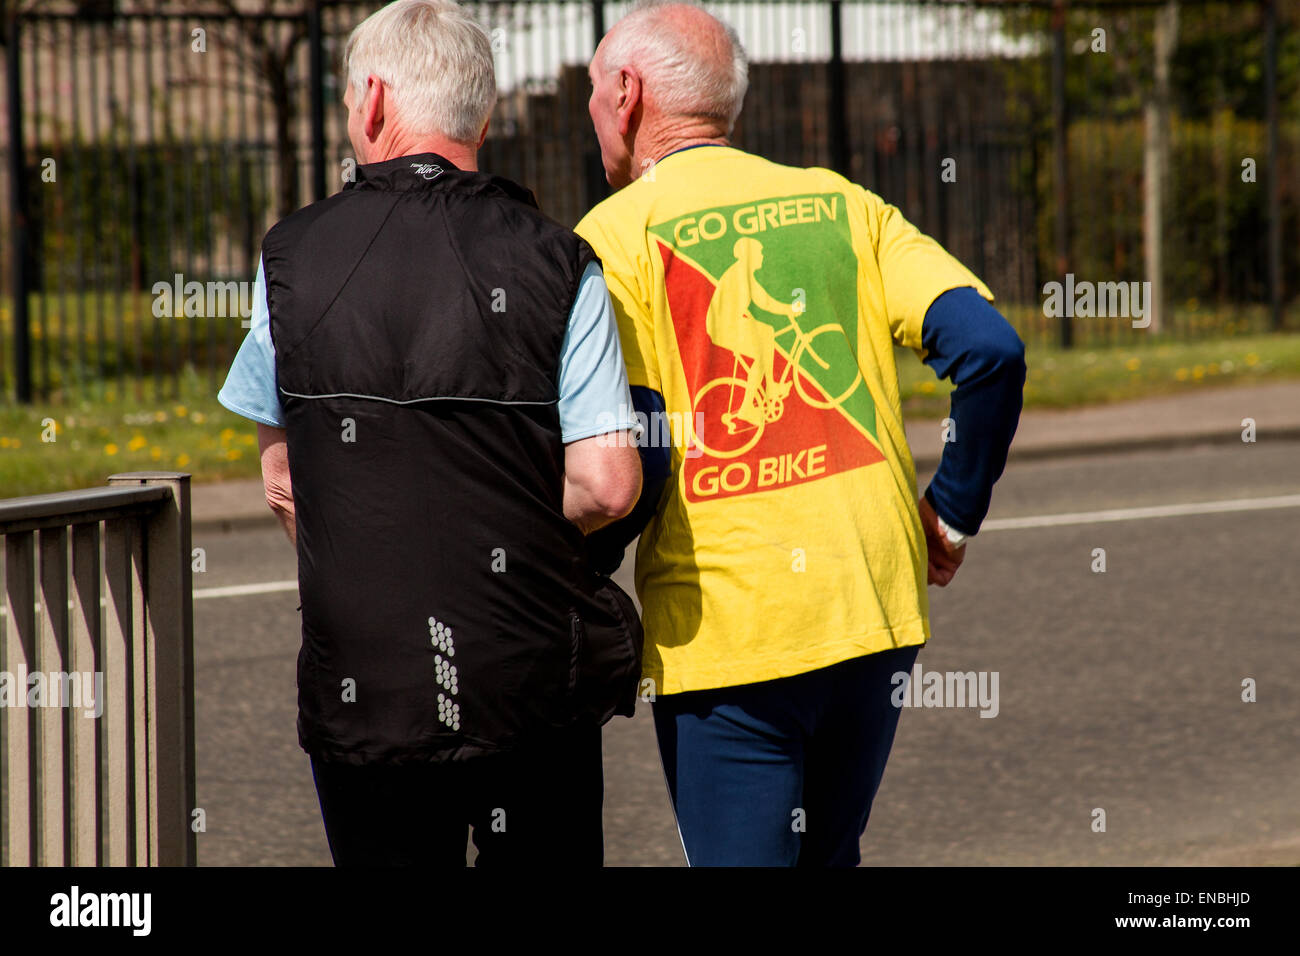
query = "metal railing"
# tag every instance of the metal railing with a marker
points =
(103, 776)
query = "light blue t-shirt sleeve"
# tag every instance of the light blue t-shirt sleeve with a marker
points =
(594, 397)
(250, 385)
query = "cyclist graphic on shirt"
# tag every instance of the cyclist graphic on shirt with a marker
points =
(745, 335)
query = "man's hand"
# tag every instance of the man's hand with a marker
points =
(944, 559)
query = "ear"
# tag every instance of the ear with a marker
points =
(483, 135)
(629, 98)
(372, 111)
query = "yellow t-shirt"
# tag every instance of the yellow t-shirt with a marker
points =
(763, 302)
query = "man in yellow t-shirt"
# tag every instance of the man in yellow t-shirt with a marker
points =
(784, 556)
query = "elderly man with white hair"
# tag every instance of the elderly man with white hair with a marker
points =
(435, 372)
(784, 554)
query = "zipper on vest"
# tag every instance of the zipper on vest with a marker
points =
(576, 639)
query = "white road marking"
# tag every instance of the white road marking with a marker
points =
(1137, 514)
(233, 590)
(239, 590)
(993, 524)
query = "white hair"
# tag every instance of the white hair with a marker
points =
(435, 59)
(678, 79)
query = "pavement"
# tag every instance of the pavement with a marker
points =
(1202, 416)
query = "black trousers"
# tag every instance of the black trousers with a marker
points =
(538, 806)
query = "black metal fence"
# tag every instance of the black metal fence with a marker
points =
(151, 144)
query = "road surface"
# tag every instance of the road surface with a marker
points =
(1118, 691)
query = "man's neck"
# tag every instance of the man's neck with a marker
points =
(458, 154)
(655, 144)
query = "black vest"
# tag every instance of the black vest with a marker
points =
(447, 607)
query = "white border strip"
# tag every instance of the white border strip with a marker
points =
(414, 401)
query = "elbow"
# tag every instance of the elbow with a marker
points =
(282, 507)
(279, 497)
(1013, 358)
(1004, 354)
(616, 497)
(277, 502)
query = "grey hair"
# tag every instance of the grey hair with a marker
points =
(436, 59)
(678, 81)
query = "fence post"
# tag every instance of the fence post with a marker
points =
(1061, 160)
(18, 214)
(18, 732)
(597, 189)
(1155, 162)
(316, 71)
(169, 659)
(839, 139)
(1274, 204)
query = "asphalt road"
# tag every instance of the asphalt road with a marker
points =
(1119, 690)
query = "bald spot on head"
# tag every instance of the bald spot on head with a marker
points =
(691, 37)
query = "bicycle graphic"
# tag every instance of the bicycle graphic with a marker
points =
(772, 402)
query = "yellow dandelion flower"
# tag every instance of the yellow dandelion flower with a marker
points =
(155, 453)
(4, 442)
(1182, 374)
(1133, 364)
(15, 443)
(110, 449)
(1213, 368)
(248, 439)
(137, 442)
(233, 454)
(1198, 373)
(227, 434)
(182, 460)
(1252, 359)
(160, 416)
(180, 411)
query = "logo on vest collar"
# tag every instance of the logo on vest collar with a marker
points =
(427, 170)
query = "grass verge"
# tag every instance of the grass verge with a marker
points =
(192, 432)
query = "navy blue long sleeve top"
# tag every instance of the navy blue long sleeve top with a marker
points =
(968, 341)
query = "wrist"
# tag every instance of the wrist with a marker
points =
(954, 538)
(950, 534)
